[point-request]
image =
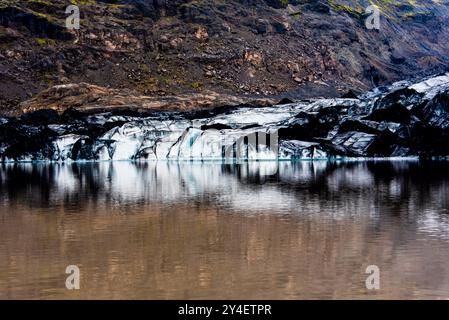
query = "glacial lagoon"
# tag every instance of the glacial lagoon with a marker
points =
(207, 230)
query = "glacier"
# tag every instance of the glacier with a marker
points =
(401, 120)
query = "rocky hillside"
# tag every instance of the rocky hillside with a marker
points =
(252, 48)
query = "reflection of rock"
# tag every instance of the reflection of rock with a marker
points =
(393, 121)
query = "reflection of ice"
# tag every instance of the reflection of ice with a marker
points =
(350, 178)
(434, 223)
(313, 189)
(302, 172)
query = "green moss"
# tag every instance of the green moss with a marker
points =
(196, 85)
(353, 10)
(145, 68)
(147, 84)
(44, 42)
(83, 2)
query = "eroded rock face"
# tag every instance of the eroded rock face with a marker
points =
(395, 121)
(283, 48)
(91, 98)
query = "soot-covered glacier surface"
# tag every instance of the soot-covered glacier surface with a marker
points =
(401, 120)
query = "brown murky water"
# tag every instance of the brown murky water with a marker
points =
(212, 231)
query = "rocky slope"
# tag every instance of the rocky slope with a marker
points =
(403, 119)
(247, 48)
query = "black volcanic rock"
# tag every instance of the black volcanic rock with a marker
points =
(436, 112)
(385, 144)
(37, 25)
(285, 101)
(349, 95)
(216, 126)
(318, 6)
(305, 127)
(41, 117)
(23, 141)
(403, 97)
(393, 113)
(356, 125)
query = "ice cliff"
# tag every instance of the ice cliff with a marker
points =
(404, 119)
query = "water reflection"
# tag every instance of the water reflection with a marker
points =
(211, 230)
(284, 187)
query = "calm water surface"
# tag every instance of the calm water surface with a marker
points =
(210, 231)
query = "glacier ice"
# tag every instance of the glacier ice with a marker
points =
(403, 119)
